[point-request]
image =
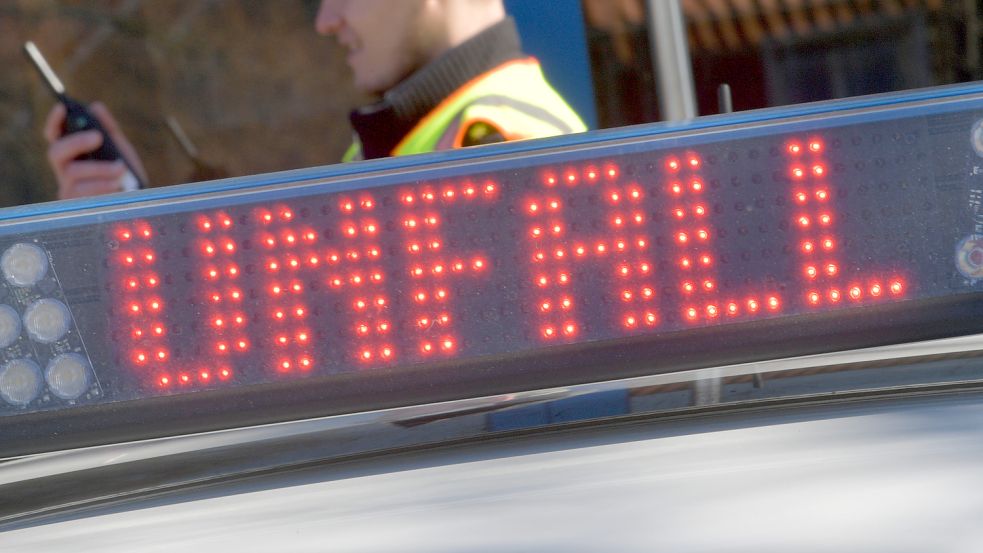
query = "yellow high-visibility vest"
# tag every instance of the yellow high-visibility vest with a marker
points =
(513, 100)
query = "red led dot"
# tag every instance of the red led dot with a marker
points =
(612, 172)
(387, 352)
(447, 344)
(647, 292)
(278, 315)
(798, 172)
(370, 228)
(542, 281)
(651, 319)
(125, 235)
(876, 290)
(822, 195)
(209, 249)
(811, 272)
(140, 357)
(282, 340)
(706, 260)
(685, 263)
(563, 278)
(566, 303)
(801, 197)
(699, 210)
(641, 243)
(287, 214)
(672, 164)
(554, 205)
(549, 332)
(601, 248)
(545, 306)
(351, 230)
(825, 219)
(305, 362)
(773, 303)
(557, 229)
(831, 269)
(708, 285)
(273, 266)
(808, 247)
(692, 313)
(834, 295)
(300, 311)
(638, 218)
(159, 330)
(855, 292)
(828, 244)
(703, 234)
(815, 146)
(679, 213)
(818, 170)
(478, 264)
(813, 298)
(184, 379)
(285, 365)
(224, 373)
(233, 270)
(794, 148)
(626, 295)
(696, 186)
(267, 217)
(469, 190)
(204, 375)
(155, 305)
(732, 308)
(635, 194)
(152, 281)
(132, 283)
(128, 259)
(803, 221)
(435, 245)
(550, 181)
(676, 188)
(897, 287)
(408, 199)
(712, 311)
(134, 308)
(383, 327)
(694, 162)
(428, 196)
(294, 263)
(688, 287)
(533, 207)
(591, 174)
(630, 321)
(752, 305)
(441, 294)
(296, 287)
(222, 347)
(571, 178)
(624, 270)
(149, 256)
(537, 232)
(164, 380)
(490, 188)
(421, 297)
(682, 238)
(270, 242)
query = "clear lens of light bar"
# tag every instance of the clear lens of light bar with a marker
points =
(24, 264)
(47, 320)
(9, 326)
(20, 381)
(68, 375)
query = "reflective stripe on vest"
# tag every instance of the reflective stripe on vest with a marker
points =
(514, 99)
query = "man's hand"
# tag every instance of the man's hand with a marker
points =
(78, 179)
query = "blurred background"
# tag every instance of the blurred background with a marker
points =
(256, 90)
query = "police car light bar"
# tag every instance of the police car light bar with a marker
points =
(601, 256)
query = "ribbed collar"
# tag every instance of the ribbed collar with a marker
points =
(382, 125)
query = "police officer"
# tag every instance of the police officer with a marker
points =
(446, 74)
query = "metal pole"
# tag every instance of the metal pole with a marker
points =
(673, 67)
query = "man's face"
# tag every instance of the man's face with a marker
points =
(384, 38)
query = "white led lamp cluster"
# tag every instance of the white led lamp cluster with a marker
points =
(46, 321)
